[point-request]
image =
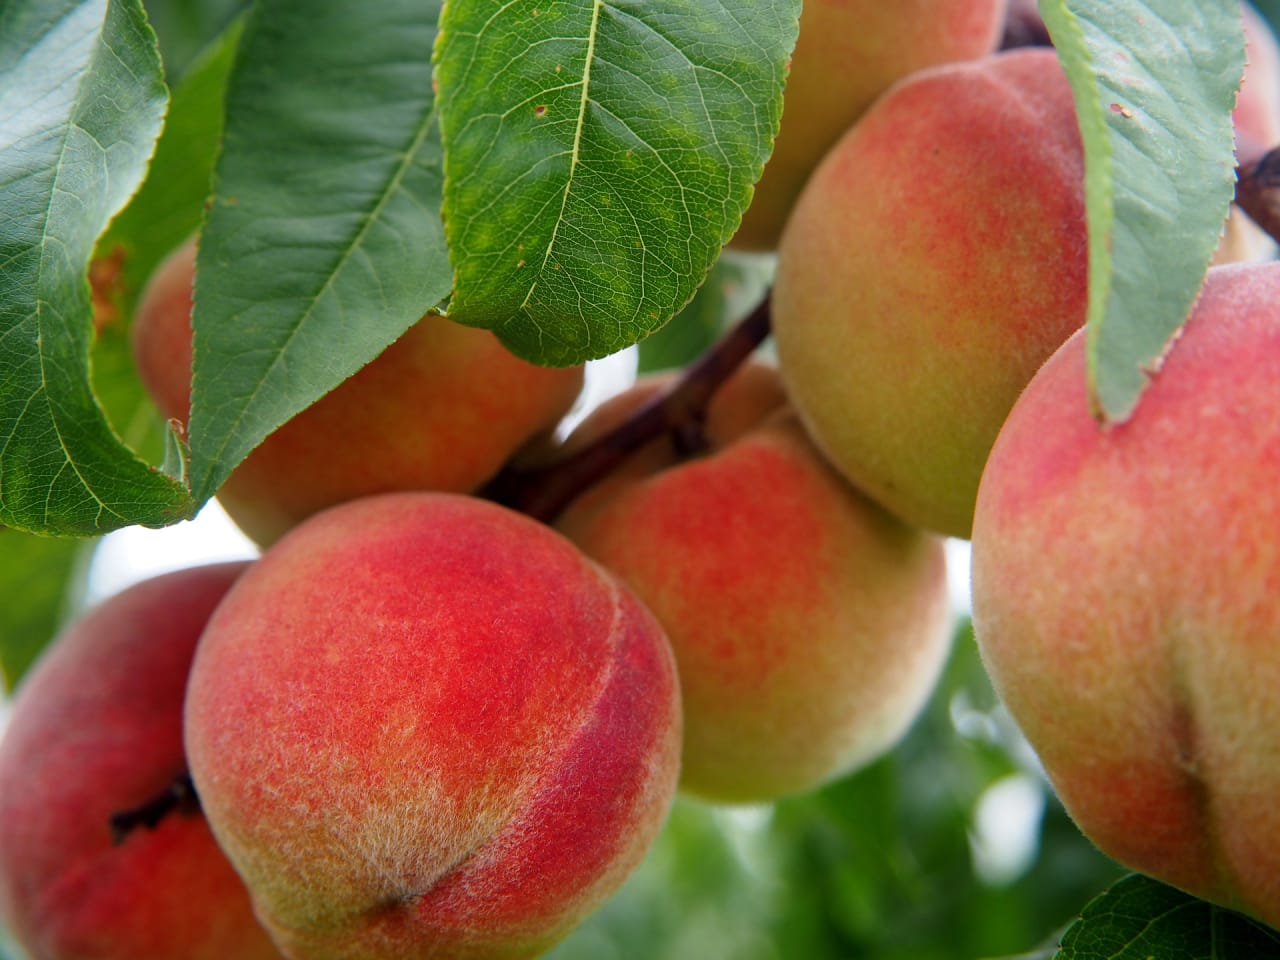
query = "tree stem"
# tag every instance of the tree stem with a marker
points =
(544, 492)
(1258, 187)
(1024, 27)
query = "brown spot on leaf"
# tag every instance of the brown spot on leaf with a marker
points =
(105, 286)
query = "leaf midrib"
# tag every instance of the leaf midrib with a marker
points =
(393, 183)
(583, 102)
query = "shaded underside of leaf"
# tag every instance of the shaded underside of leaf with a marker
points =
(1139, 918)
(187, 29)
(81, 103)
(35, 576)
(1154, 84)
(323, 242)
(597, 156)
(735, 285)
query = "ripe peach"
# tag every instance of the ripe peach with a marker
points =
(1257, 113)
(441, 409)
(936, 258)
(1126, 598)
(848, 53)
(1257, 128)
(809, 626)
(96, 730)
(423, 725)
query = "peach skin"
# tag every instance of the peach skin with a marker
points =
(1126, 598)
(425, 726)
(934, 261)
(96, 731)
(809, 626)
(848, 53)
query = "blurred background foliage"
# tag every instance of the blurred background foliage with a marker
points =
(1269, 9)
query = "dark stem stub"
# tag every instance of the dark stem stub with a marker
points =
(1258, 187)
(178, 797)
(1024, 27)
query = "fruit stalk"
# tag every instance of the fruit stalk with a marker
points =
(543, 492)
(1258, 189)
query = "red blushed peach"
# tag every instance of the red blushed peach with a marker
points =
(1126, 598)
(1257, 113)
(934, 261)
(1257, 127)
(809, 626)
(97, 730)
(443, 408)
(848, 53)
(426, 726)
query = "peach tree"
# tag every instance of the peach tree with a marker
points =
(566, 179)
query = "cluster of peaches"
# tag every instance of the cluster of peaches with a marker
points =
(422, 725)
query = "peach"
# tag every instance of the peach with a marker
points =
(936, 258)
(1257, 113)
(1126, 598)
(848, 53)
(96, 731)
(423, 725)
(1257, 126)
(441, 409)
(809, 626)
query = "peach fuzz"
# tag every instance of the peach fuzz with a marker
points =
(1126, 598)
(934, 261)
(848, 53)
(96, 730)
(809, 626)
(426, 726)
(443, 408)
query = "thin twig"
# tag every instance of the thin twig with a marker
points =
(544, 492)
(1258, 187)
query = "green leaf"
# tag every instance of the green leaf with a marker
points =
(170, 203)
(1139, 918)
(81, 104)
(1154, 86)
(597, 157)
(166, 210)
(736, 284)
(323, 243)
(36, 578)
(187, 28)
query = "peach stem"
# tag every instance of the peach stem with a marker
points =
(544, 492)
(1258, 187)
